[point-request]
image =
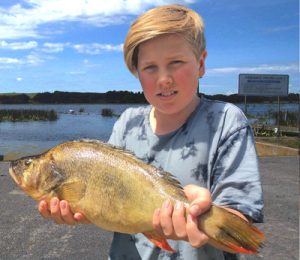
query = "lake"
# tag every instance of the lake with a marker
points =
(24, 138)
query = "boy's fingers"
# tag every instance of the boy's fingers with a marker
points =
(199, 206)
(55, 211)
(179, 221)
(156, 222)
(43, 209)
(66, 214)
(200, 199)
(195, 236)
(81, 218)
(166, 218)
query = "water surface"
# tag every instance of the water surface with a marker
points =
(24, 138)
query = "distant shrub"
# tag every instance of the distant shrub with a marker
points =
(107, 112)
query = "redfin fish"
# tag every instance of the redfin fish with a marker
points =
(118, 192)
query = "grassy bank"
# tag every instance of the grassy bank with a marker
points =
(20, 115)
(287, 141)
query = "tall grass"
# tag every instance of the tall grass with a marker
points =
(18, 115)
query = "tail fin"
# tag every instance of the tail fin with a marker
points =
(230, 231)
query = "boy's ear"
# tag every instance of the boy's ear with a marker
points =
(202, 64)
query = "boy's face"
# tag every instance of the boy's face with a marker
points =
(168, 71)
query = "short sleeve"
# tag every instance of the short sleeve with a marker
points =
(235, 178)
(117, 135)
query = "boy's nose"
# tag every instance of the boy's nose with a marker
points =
(165, 79)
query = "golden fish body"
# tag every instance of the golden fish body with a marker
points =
(115, 190)
(118, 192)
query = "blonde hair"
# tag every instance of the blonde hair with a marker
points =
(167, 19)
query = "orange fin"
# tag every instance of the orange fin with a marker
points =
(158, 241)
(241, 249)
(231, 232)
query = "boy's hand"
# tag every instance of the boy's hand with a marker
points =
(171, 223)
(60, 212)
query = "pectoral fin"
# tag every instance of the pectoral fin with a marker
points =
(158, 241)
(72, 190)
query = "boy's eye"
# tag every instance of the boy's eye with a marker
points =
(175, 62)
(150, 67)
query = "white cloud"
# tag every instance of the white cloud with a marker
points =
(259, 69)
(96, 48)
(18, 45)
(19, 79)
(54, 47)
(30, 59)
(24, 20)
(7, 60)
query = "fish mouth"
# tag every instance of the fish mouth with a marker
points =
(16, 177)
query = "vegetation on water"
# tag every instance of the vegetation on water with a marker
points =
(117, 97)
(107, 112)
(18, 115)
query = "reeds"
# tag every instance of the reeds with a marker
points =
(107, 112)
(19, 115)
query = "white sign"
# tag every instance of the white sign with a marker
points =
(263, 85)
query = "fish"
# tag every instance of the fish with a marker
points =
(118, 192)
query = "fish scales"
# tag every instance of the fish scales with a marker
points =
(118, 192)
(116, 182)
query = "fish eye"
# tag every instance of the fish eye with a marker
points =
(28, 162)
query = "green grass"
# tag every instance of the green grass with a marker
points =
(287, 141)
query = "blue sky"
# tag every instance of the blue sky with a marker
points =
(76, 45)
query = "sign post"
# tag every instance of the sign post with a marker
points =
(264, 85)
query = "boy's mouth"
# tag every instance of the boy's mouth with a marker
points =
(167, 94)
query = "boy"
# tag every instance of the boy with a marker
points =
(207, 145)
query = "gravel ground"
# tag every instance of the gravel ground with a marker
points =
(25, 235)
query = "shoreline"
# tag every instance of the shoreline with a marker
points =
(264, 149)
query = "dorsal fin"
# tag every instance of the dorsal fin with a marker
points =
(169, 177)
(99, 142)
(171, 180)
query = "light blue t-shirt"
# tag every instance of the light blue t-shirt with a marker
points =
(214, 149)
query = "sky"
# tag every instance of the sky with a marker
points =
(76, 45)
